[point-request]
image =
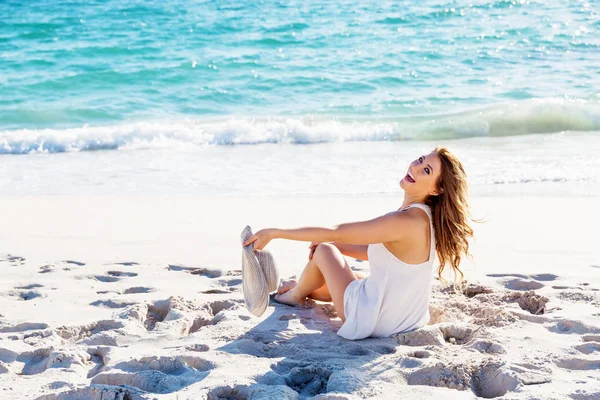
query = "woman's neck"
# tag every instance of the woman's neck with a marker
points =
(408, 200)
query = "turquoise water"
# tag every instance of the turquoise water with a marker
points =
(69, 63)
(511, 86)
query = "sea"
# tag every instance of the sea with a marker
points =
(296, 98)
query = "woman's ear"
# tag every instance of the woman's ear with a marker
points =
(436, 192)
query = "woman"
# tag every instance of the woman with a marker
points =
(400, 247)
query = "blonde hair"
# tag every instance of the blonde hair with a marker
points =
(451, 215)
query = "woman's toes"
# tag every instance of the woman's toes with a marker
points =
(288, 298)
(286, 286)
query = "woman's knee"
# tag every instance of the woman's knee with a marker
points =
(325, 249)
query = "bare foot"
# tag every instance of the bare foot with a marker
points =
(284, 286)
(288, 298)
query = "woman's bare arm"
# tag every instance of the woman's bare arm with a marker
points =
(394, 226)
(358, 251)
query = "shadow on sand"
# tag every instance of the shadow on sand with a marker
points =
(304, 364)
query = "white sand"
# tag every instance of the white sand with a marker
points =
(132, 298)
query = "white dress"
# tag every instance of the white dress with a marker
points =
(395, 296)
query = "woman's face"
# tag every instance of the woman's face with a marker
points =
(422, 175)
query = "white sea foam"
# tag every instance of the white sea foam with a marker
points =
(509, 119)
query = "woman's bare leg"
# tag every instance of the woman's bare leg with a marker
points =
(327, 267)
(321, 294)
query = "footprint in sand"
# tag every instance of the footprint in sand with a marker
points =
(98, 392)
(77, 263)
(168, 314)
(524, 282)
(113, 276)
(108, 291)
(230, 282)
(473, 290)
(439, 335)
(125, 264)
(122, 274)
(486, 346)
(569, 326)
(419, 354)
(485, 379)
(365, 349)
(257, 346)
(457, 333)
(39, 360)
(138, 289)
(13, 260)
(216, 291)
(209, 273)
(24, 295)
(520, 284)
(237, 392)
(111, 304)
(575, 363)
(105, 278)
(34, 362)
(23, 327)
(66, 266)
(306, 379)
(579, 297)
(60, 385)
(198, 347)
(157, 312)
(255, 391)
(218, 306)
(591, 338)
(429, 335)
(544, 277)
(158, 375)
(588, 348)
(44, 269)
(347, 380)
(94, 333)
(99, 356)
(508, 275)
(356, 350)
(30, 286)
(216, 315)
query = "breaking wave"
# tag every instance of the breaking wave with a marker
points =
(539, 116)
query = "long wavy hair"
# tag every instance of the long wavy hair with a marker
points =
(451, 215)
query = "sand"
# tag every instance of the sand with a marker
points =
(140, 298)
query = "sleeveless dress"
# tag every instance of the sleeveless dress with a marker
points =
(394, 298)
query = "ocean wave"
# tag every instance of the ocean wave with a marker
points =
(508, 119)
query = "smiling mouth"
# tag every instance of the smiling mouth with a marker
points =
(409, 178)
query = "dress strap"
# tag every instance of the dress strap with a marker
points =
(427, 210)
(423, 207)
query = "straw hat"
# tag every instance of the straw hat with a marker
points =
(259, 276)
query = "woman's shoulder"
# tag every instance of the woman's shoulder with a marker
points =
(418, 212)
(420, 218)
(409, 221)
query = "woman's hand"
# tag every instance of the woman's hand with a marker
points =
(260, 239)
(312, 247)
